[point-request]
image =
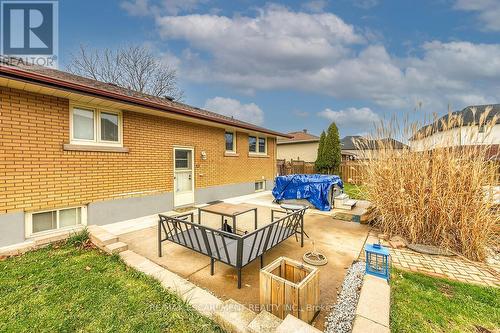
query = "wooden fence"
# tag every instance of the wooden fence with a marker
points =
(350, 171)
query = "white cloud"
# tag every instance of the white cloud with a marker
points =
(352, 117)
(301, 114)
(170, 7)
(365, 4)
(230, 107)
(175, 7)
(136, 7)
(488, 12)
(275, 40)
(320, 53)
(315, 6)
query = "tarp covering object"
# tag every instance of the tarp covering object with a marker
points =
(314, 188)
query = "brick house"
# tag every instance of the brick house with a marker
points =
(75, 151)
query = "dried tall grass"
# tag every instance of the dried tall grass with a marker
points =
(440, 195)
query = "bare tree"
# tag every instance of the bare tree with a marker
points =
(132, 67)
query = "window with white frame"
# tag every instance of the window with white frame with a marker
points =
(95, 126)
(259, 185)
(46, 221)
(230, 139)
(257, 144)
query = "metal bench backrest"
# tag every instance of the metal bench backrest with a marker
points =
(265, 238)
(202, 239)
(232, 249)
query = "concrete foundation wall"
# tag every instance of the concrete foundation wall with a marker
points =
(111, 211)
(11, 228)
(213, 193)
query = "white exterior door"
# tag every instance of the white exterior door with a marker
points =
(183, 177)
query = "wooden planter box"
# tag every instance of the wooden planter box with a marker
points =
(290, 287)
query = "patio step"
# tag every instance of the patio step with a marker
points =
(344, 202)
(234, 317)
(264, 322)
(101, 237)
(294, 324)
(116, 247)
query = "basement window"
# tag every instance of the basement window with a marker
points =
(51, 220)
(260, 185)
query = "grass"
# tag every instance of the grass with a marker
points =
(355, 191)
(425, 304)
(73, 289)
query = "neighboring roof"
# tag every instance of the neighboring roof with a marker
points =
(348, 143)
(15, 69)
(299, 137)
(467, 115)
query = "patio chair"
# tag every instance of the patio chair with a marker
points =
(229, 248)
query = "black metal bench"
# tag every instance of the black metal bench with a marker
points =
(231, 249)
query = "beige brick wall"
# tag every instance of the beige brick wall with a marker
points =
(36, 173)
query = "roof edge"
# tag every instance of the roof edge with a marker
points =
(15, 73)
(287, 142)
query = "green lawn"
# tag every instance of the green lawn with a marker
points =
(354, 191)
(70, 289)
(424, 304)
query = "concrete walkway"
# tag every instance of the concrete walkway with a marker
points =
(340, 241)
(450, 267)
(453, 268)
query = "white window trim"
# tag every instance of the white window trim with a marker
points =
(97, 126)
(28, 222)
(257, 152)
(234, 141)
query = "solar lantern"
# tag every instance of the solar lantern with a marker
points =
(377, 261)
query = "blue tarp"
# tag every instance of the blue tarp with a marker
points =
(314, 188)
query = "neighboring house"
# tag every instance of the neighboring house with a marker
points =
(466, 133)
(304, 146)
(301, 146)
(75, 151)
(350, 145)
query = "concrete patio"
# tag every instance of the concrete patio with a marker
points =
(340, 241)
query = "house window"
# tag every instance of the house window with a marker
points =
(262, 145)
(95, 126)
(83, 124)
(46, 221)
(257, 144)
(182, 159)
(259, 185)
(230, 142)
(109, 127)
(252, 144)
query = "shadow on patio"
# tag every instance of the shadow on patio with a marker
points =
(340, 241)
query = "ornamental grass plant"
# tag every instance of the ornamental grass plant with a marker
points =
(440, 191)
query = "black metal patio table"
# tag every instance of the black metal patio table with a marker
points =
(229, 210)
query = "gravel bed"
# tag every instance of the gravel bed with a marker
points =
(341, 319)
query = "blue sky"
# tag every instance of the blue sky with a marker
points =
(302, 64)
